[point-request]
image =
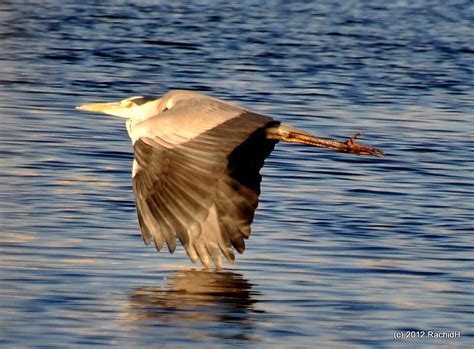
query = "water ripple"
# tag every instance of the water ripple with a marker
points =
(344, 250)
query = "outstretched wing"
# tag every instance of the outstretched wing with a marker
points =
(202, 187)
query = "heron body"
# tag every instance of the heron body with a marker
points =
(196, 168)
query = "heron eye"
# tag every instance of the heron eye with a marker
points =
(126, 104)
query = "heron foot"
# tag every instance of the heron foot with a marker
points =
(360, 149)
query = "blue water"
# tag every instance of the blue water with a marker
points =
(344, 251)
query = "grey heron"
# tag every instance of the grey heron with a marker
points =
(196, 168)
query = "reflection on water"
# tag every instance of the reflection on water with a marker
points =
(197, 301)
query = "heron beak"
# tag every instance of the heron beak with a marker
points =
(114, 108)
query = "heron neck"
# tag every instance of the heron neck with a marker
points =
(130, 124)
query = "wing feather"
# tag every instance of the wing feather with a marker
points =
(203, 190)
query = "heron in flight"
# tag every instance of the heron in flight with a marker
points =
(196, 168)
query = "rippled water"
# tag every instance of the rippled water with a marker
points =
(345, 250)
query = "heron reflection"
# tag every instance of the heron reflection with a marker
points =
(190, 298)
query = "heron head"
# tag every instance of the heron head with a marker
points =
(136, 107)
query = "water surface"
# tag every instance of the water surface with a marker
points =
(344, 251)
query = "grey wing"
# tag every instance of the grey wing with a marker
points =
(205, 190)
